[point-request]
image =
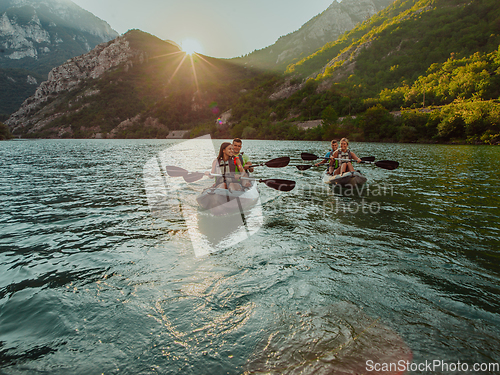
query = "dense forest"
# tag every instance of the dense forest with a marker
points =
(453, 101)
(4, 132)
(14, 85)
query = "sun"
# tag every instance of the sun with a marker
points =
(191, 46)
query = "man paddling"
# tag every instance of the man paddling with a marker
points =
(245, 160)
(334, 163)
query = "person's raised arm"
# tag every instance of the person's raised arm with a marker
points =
(355, 157)
(248, 166)
(325, 160)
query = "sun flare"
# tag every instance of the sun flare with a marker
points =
(191, 46)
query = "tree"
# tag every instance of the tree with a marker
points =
(329, 116)
(5, 132)
(249, 133)
(376, 123)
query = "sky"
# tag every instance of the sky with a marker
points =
(217, 28)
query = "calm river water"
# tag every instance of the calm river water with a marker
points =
(108, 267)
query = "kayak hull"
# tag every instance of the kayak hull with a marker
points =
(221, 202)
(347, 179)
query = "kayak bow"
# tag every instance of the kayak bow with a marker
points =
(220, 202)
(347, 179)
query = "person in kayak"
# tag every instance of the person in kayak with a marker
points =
(225, 165)
(345, 156)
(334, 163)
(245, 160)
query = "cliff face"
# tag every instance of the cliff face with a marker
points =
(37, 35)
(33, 31)
(70, 76)
(324, 28)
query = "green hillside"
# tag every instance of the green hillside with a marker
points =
(447, 49)
(407, 37)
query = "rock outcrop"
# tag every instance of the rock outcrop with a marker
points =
(70, 75)
(31, 30)
(286, 90)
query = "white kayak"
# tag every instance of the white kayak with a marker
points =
(221, 202)
(348, 178)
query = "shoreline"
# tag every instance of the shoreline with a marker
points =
(450, 143)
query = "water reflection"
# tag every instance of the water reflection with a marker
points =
(338, 339)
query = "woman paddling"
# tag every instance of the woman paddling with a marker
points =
(345, 156)
(225, 165)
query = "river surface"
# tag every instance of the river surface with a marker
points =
(107, 266)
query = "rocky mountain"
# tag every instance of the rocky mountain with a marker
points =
(133, 86)
(37, 35)
(325, 27)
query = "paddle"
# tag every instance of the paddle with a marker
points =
(278, 184)
(387, 164)
(275, 163)
(384, 164)
(274, 183)
(304, 167)
(308, 156)
(365, 159)
(174, 171)
(193, 177)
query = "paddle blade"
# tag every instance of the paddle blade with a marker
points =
(278, 184)
(308, 156)
(368, 158)
(173, 171)
(303, 167)
(278, 162)
(192, 177)
(387, 164)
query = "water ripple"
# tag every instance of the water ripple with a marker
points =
(92, 281)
